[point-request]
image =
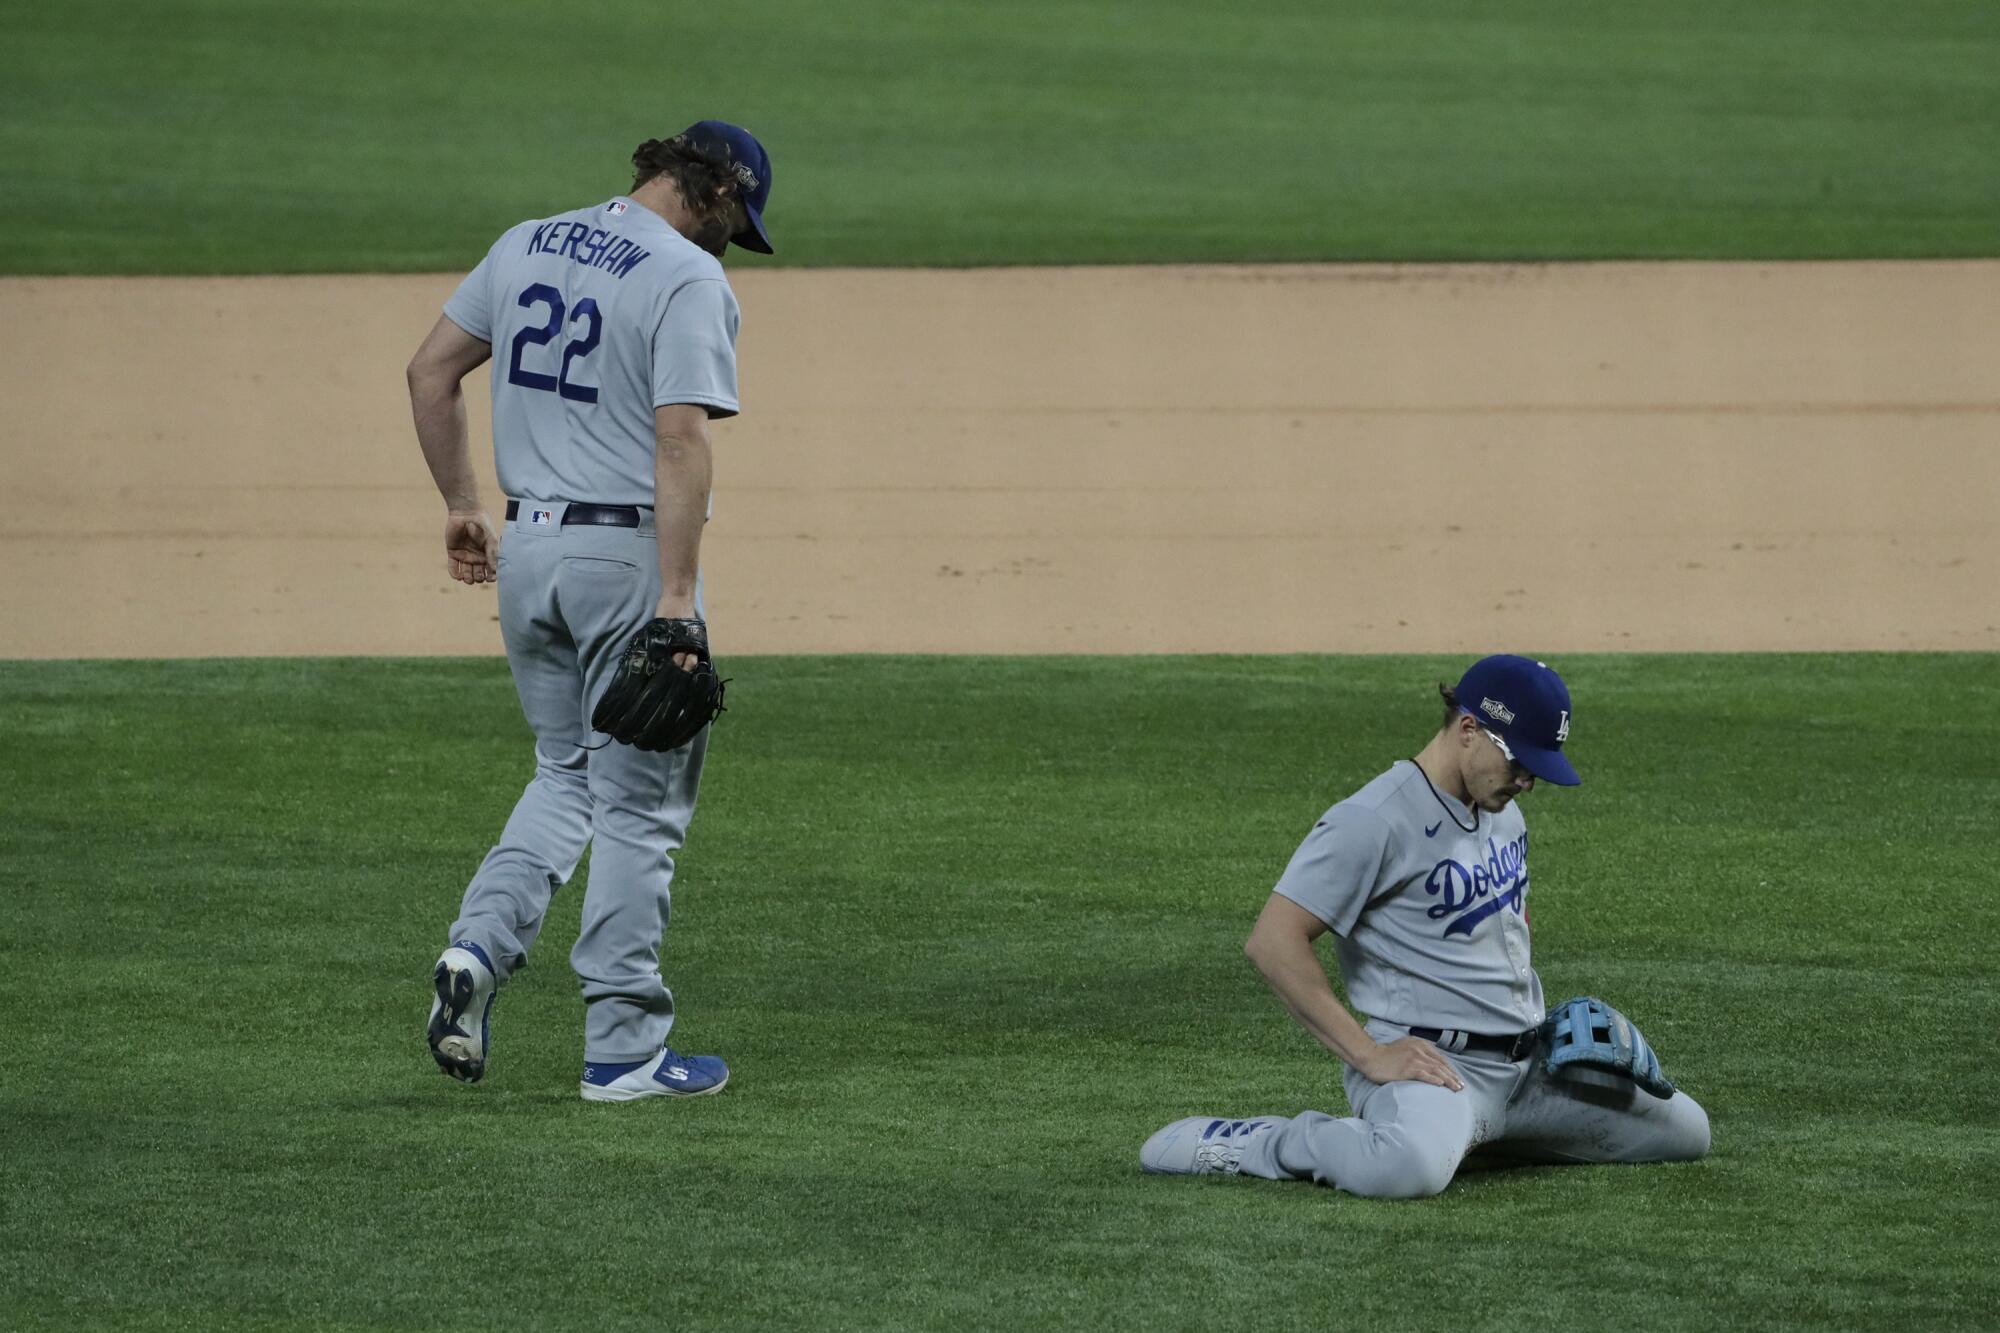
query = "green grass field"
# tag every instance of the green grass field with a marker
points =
(192, 136)
(964, 955)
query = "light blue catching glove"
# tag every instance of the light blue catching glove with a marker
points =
(1588, 1032)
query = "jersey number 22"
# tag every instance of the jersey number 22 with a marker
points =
(574, 350)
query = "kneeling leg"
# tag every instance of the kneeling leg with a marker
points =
(1589, 1116)
(1408, 1146)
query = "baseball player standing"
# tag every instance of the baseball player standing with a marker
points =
(1422, 876)
(615, 333)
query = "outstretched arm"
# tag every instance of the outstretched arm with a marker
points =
(437, 403)
(1280, 944)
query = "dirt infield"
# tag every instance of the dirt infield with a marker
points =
(1554, 458)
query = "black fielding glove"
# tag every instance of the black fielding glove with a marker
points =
(651, 703)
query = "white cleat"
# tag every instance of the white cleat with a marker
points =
(461, 1013)
(665, 1075)
(1201, 1145)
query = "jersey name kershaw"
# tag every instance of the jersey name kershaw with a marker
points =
(590, 246)
(1472, 893)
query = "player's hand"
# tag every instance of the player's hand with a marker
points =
(671, 607)
(471, 547)
(1409, 1060)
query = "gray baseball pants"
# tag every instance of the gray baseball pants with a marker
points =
(570, 599)
(1406, 1140)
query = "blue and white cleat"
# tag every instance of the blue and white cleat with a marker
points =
(665, 1075)
(1201, 1145)
(463, 1010)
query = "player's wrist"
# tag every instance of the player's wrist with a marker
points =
(1365, 1058)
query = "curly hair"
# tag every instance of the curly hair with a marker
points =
(695, 172)
(1451, 705)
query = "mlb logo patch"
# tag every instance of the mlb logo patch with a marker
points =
(616, 208)
(542, 518)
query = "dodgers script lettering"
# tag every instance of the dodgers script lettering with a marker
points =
(1472, 893)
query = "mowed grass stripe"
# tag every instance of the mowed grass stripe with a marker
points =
(226, 136)
(968, 929)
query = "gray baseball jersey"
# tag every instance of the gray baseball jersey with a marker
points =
(596, 317)
(1427, 899)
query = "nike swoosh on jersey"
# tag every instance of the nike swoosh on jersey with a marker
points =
(1431, 832)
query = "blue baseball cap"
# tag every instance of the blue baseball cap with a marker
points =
(753, 172)
(1526, 704)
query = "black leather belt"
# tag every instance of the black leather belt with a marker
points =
(1513, 1046)
(597, 516)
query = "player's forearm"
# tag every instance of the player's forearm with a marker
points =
(683, 469)
(438, 406)
(1294, 972)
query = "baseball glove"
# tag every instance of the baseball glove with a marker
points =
(1590, 1033)
(653, 704)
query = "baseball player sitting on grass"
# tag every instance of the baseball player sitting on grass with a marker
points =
(1422, 876)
